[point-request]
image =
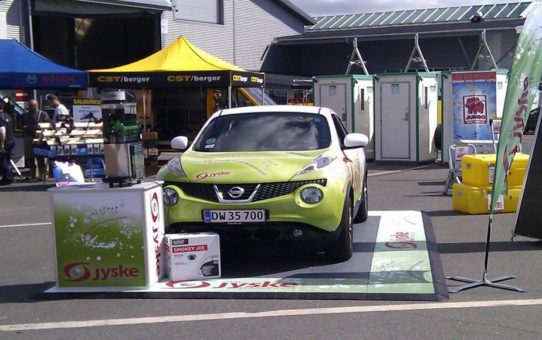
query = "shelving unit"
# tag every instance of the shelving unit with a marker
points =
(82, 141)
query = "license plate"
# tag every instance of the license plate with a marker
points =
(233, 216)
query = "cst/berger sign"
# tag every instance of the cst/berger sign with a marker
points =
(176, 79)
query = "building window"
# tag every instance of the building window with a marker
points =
(211, 11)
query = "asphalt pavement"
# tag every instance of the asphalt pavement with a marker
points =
(27, 256)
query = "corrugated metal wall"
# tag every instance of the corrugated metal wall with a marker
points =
(12, 10)
(243, 37)
(213, 38)
(257, 23)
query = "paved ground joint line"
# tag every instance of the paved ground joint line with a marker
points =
(274, 313)
(25, 225)
(390, 172)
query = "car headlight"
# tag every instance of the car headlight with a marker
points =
(174, 166)
(317, 163)
(170, 196)
(312, 195)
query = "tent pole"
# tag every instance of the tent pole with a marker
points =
(144, 112)
(229, 96)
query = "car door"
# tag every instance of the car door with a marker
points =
(354, 158)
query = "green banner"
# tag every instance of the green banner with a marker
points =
(522, 87)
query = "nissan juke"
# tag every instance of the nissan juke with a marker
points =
(270, 173)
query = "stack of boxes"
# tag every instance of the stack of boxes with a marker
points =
(473, 194)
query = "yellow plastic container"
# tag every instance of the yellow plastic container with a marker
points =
(478, 170)
(475, 200)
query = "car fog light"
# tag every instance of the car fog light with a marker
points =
(297, 233)
(311, 195)
(170, 196)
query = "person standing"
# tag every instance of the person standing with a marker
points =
(61, 113)
(31, 120)
(7, 142)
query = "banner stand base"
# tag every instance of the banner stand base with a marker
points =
(485, 282)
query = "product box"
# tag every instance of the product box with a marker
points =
(193, 256)
(475, 200)
(479, 170)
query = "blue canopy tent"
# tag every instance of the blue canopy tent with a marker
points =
(20, 67)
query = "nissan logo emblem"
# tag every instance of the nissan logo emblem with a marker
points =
(236, 192)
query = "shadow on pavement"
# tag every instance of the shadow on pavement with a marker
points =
(479, 247)
(26, 187)
(23, 292)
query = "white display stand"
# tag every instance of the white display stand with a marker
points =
(352, 98)
(487, 87)
(107, 238)
(406, 116)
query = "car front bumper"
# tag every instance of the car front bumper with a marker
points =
(287, 209)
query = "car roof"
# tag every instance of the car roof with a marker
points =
(277, 108)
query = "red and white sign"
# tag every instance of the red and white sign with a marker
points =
(475, 109)
(186, 249)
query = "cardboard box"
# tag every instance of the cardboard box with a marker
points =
(150, 135)
(193, 256)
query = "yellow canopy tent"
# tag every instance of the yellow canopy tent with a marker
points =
(180, 64)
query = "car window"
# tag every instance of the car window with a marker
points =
(265, 131)
(339, 127)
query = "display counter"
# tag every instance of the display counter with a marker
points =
(108, 237)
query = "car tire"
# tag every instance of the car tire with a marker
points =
(343, 247)
(363, 210)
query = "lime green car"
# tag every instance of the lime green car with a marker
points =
(284, 173)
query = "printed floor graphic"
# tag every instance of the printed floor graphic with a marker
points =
(395, 258)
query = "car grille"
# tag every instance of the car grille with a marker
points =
(265, 191)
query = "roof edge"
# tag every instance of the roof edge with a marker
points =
(307, 19)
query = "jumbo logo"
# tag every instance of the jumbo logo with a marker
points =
(80, 271)
(206, 175)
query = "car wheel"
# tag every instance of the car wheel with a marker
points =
(342, 249)
(363, 211)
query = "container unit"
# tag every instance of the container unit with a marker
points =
(479, 170)
(470, 100)
(476, 200)
(406, 116)
(352, 98)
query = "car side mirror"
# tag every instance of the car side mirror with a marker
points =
(179, 143)
(355, 140)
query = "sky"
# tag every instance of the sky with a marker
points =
(332, 7)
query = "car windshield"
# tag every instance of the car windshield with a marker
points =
(265, 131)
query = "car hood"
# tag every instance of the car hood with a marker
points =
(245, 167)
